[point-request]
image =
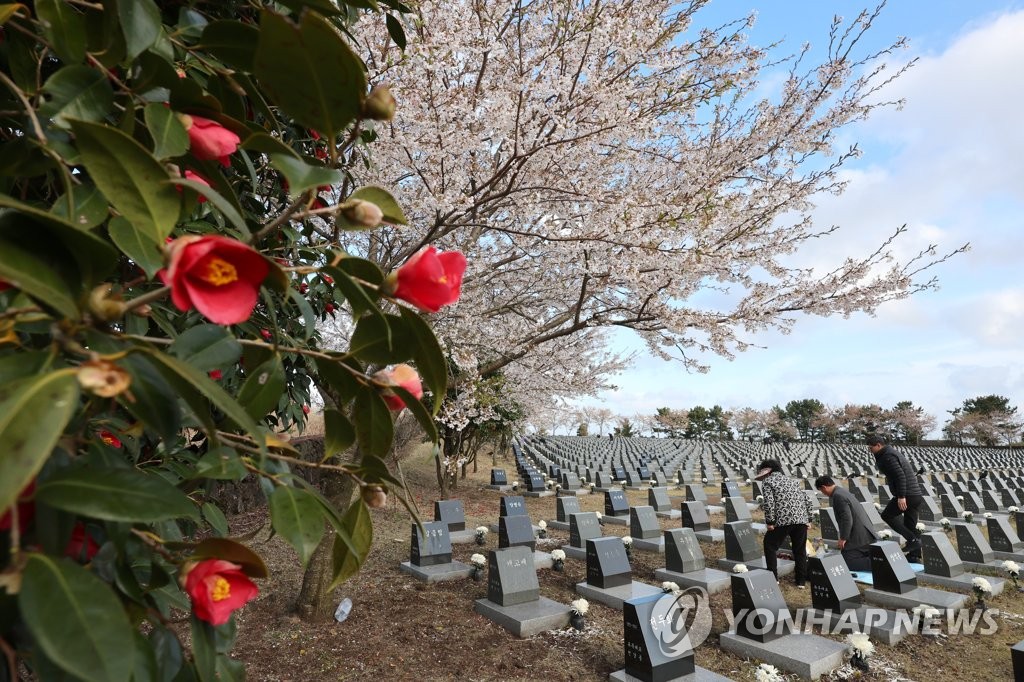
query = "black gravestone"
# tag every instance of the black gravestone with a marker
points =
(607, 563)
(451, 513)
(570, 481)
(832, 586)
(583, 527)
(741, 542)
(988, 498)
(736, 509)
(1002, 537)
(643, 523)
(432, 547)
(615, 503)
(659, 478)
(929, 510)
(829, 525)
(730, 489)
(633, 480)
(512, 577)
(890, 571)
(658, 498)
(535, 483)
(939, 556)
(565, 507)
(695, 493)
(973, 503)
(759, 611)
(603, 480)
(972, 545)
(682, 551)
(619, 473)
(516, 531)
(513, 505)
(951, 508)
(656, 639)
(498, 477)
(694, 516)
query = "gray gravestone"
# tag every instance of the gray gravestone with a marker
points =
(655, 639)
(890, 571)
(570, 481)
(535, 483)
(511, 576)
(682, 551)
(741, 542)
(695, 516)
(695, 493)
(971, 544)
(658, 498)
(607, 563)
(583, 527)
(566, 507)
(832, 586)
(498, 477)
(829, 525)
(512, 505)
(1002, 537)
(615, 503)
(759, 610)
(643, 523)
(736, 509)
(431, 547)
(516, 531)
(451, 513)
(939, 556)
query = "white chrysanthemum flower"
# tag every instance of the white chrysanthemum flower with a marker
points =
(478, 560)
(739, 568)
(960, 498)
(759, 498)
(542, 524)
(885, 534)
(704, 480)
(921, 527)
(1011, 567)
(944, 522)
(627, 540)
(669, 586)
(580, 606)
(748, 480)
(482, 530)
(926, 611)
(1012, 508)
(558, 555)
(988, 515)
(981, 585)
(726, 479)
(877, 506)
(968, 516)
(599, 515)
(861, 644)
(766, 672)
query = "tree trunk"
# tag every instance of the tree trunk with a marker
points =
(316, 601)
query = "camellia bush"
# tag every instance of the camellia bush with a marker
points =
(174, 182)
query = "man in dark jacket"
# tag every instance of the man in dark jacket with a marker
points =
(907, 494)
(855, 530)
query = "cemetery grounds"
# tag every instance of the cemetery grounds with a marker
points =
(402, 629)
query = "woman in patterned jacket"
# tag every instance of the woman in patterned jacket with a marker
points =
(787, 513)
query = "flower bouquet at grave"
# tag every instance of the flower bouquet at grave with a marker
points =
(885, 534)
(920, 527)
(766, 672)
(1012, 508)
(481, 535)
(515, 486)
(1012, 569)
(878, 505)
(925, 617)
(543, 526)
(557, 560)
(982, 588)
(946, 524)
(627, 542)
(987, 515)
(577, 610)
(479, 563)
(600, 518)
(181, 218)
(968, 516)
(669, 587)
(740, 568)
(862, 648)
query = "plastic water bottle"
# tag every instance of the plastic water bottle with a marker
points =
(344, 608)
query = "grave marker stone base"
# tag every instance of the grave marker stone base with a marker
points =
(463, 537)
(670, 513)
(539, 493)
(807, 656)
(919, 595)
(650, 545)
(500, 488)
(525, 620)
(456, 570)
(785, 566)
(616, 520)
(614, 596)
(558, 525)
(574, 552)
(578, 492)
(710, 535)
(962, 582)
(698, 675)
(881, 625)
(711, 579)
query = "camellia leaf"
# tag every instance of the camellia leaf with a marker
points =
(262, 390)
(32, 419)
(268, 144)
(64, 28)
(424, 417)
(140, 23)
(115, 495)
(204, 649)
(222, 464)
(382, 340)
(395, 30)
(89, 209)
(77, 92)
(372, 419)
(301, 175)
(215, 517)
(385, 202)
(136, 244)
(220, 203)
(352, 543)
(296, 516)
(128, 175)
(207, 347)
(25, 270)
(232, 42)
(338, 377)
(310, 72)
(153, 402)
(228, 550)
(169, 135)
(339, 434)
(429, 357)
(76, 619)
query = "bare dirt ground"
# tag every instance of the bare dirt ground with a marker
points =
(401, 629)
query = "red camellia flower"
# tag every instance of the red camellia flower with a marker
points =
(401, 375)
(265, 333)
(189, 175)
(110, 439)
(26, 509)
(210, 140)
(430, 280)
(217, 588)
(216, 374)
(305, 409)
(217, 276)
(81, 546)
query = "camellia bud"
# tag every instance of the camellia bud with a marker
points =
(183, 572)
(379, 104)
(374, 496)
(363, 213)
(103, 378)
(104, 306)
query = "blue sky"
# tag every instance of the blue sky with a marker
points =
(951, 166)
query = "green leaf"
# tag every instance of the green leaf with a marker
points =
(308, 315)
(352, 546)
(419, 411)
(395, 30)
(301, 175)
(145, 660)
(232, 42)
(337, 375)
(429, 357)
(359, 298)
(154, 402)
(115, 495)
(206, 347)
(215, 517)
(167, 649)
(296, 516)
(382, 198)
(228, 550)
(204, 649)
(325, 7)
(339, 434)
(140, 22)
(169, 136)
(27, 272)
(310, 72)
(32, 419)
(76, 619)
(221, 464)
(382, 340)
(89, 210)
(263, 388)
(77, 92)
(372, 418)
(135, 183)
(225, 207)
(64, 28)
(136, 244)
(267, 144)
(363, 269)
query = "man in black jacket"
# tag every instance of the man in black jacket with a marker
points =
(907, 494)
(855, 529)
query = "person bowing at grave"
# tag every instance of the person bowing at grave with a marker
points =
(787, 513)
(907, 494)
(855, 529)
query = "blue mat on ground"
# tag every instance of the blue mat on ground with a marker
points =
(866, 578)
